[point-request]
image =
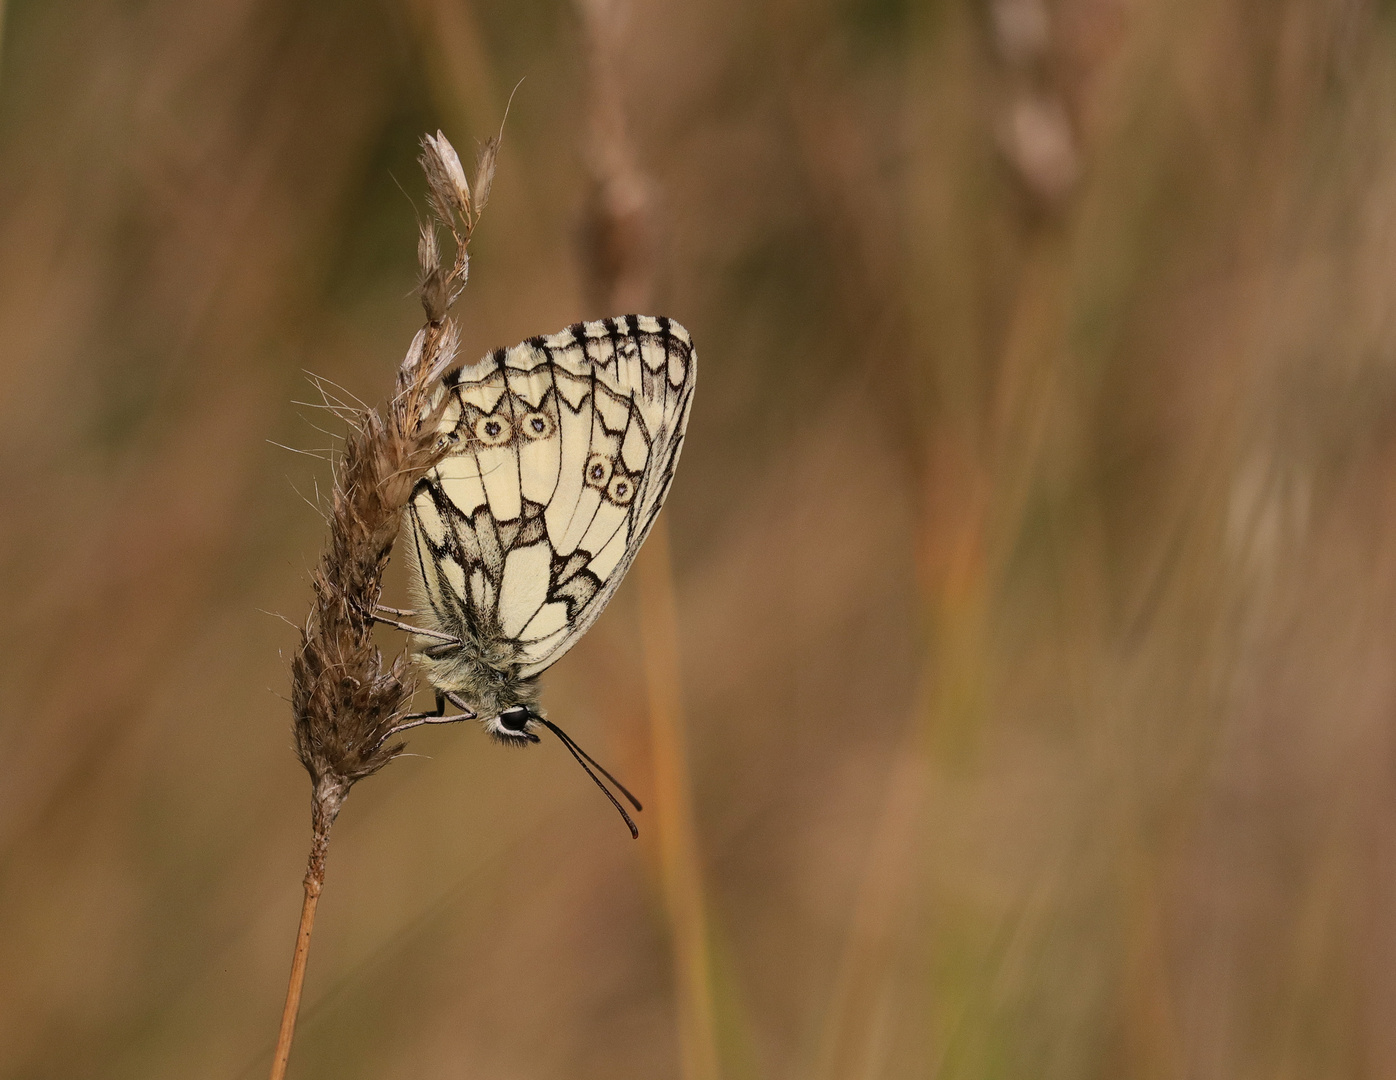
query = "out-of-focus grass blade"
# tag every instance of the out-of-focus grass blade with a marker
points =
(676, 839)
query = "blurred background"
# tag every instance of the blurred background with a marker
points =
(1024, 638)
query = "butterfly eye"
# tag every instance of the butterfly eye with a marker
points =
(621, 489)
(598, 471)
(493, 430)
(514, 719)
(537, 425)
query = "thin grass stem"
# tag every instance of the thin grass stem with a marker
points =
(314, 883)
(679, 864)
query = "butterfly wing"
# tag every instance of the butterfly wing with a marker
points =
(565, 449)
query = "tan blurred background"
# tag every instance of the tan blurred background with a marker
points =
(1034, 547)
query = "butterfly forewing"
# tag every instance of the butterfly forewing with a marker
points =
(563, 451)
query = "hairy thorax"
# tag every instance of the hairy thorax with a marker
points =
(486, 676)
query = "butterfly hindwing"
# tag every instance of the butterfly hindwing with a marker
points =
(564, 449)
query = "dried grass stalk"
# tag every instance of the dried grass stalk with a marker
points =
(347, 702)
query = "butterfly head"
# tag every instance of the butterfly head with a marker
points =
(515, 725)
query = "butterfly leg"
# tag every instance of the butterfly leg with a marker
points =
(439, 711)
(439, 716)
(444, 638)
(395, 610)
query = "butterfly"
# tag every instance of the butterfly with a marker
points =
(561, 452)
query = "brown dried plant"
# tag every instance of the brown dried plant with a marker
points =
(348, 704)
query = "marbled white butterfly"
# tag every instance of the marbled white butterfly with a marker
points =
(563, 451)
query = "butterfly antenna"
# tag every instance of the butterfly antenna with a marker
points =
(582, 758)
(599, 767)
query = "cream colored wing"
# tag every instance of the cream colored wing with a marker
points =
(565, 449)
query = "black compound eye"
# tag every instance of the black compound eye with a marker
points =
(515, 719)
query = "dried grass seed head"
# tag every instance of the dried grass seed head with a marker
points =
(447, 190)
(434, 285)
(484, 171)
(455, 173)
(345, 699)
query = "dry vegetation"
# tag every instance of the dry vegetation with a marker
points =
(1033, 552)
